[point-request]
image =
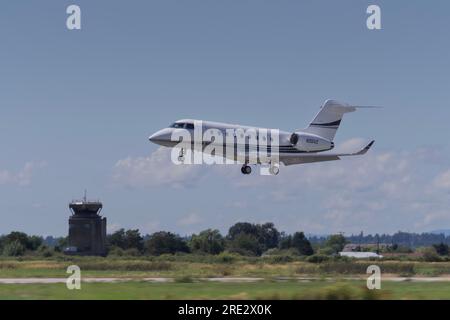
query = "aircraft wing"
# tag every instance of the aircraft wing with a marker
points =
(291, 159)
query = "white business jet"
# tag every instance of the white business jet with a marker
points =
(253, 145)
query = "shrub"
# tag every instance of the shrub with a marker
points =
(132, 252)
(328, 251)
(34, 242)
(116, 251)
(441, 249)
(264, 236)
(317, 258)
(227, 257)
(165, 242)
(45, 251)
(15, 238)
(430, 255)
(279, 259)
(336, 242)
(302, 244)
(280, 256)
(14, 249)
(245, 244)
(274, 252)
(208, 241)
(129, 239)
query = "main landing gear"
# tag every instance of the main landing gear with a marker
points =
(246, 169)
(274, 169)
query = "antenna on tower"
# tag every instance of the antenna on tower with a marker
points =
(85, 195)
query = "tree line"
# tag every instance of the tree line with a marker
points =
(242, 238)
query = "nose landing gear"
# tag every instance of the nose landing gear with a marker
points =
(181, 156)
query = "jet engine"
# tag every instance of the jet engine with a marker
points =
(310, 142)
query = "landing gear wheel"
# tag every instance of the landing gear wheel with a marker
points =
(246, 169)
(181, 156)
(274, 170)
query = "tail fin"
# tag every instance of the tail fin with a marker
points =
(327, 121)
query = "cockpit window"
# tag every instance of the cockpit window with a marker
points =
(182, 125)
(177, 125)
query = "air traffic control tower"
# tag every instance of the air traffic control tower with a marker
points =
(87, 229)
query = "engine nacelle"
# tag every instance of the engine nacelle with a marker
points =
(310, 142)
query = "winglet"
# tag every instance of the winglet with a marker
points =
(364, 151)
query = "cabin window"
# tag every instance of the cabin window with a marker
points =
(189, 126)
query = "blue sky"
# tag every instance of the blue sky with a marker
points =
(77, 108)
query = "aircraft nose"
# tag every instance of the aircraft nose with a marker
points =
(154, 137)
(161, 137)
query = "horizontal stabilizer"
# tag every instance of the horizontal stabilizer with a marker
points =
(364, 151)
(290, 159)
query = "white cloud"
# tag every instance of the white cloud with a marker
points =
(21, 178)
(150, 227)
(380, 191)
(190, 220)
(387, 190)
(443, 180)
(155, 170)
(350, 145)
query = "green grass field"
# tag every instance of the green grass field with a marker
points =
(186, 268)
(207, 290)
(196, 268)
